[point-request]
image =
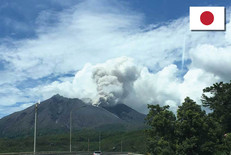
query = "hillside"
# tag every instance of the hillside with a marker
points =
(54, 114)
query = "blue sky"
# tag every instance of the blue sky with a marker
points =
(50, 46)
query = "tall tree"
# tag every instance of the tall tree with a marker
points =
(218, 99)
(192, 130)
(161, 132)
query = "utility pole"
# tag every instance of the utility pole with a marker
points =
(99, 140)
(121, 147)
(88, 145)
(71, 124)
(70, 128)
(35, 125)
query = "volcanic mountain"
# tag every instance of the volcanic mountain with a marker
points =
(54, 114)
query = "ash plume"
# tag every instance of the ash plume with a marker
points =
(114, 80)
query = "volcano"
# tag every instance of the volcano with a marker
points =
(54, 115)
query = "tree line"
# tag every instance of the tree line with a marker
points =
(192, 131)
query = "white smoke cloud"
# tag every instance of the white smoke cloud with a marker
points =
(114, 79)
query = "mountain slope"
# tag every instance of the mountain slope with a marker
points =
(126, 113)
(54, 114)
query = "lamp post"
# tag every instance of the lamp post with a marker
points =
(99, 140)
(71, 125)
(35, 125)
(88, 148)
(121, 146)
(70, 128)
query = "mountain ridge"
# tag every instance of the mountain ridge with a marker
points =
(54, 114)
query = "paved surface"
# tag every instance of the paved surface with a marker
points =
(68, 153)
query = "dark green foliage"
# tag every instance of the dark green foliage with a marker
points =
(192, 133)
(161, 133)
(227, 143)
(190, 127)
(218, 99)
(196, 133)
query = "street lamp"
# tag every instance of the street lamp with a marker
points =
(99, 140)
(35, 125)
(88, 146)
(121, 146)
(71, 124)
(70, 128)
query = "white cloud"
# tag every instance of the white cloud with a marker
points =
(195, 80)
(93, 35)
(11, 109)
(216, 60)
(9, 95)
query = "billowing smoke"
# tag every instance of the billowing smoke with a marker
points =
(114, 80)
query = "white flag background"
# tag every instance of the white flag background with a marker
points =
(218, 22)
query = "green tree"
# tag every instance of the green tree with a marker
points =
(213, 136)
(193, 129)
(193, 132)
(160, 135)
(218, 99)
(227, 143)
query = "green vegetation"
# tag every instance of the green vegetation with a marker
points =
(133, 141)
(192, 132)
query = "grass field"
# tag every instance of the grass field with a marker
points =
(132, 141)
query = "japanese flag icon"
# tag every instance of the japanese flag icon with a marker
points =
(207, 18)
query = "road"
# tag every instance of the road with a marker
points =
(68, 153)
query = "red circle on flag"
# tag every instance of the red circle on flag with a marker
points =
(207, 18)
